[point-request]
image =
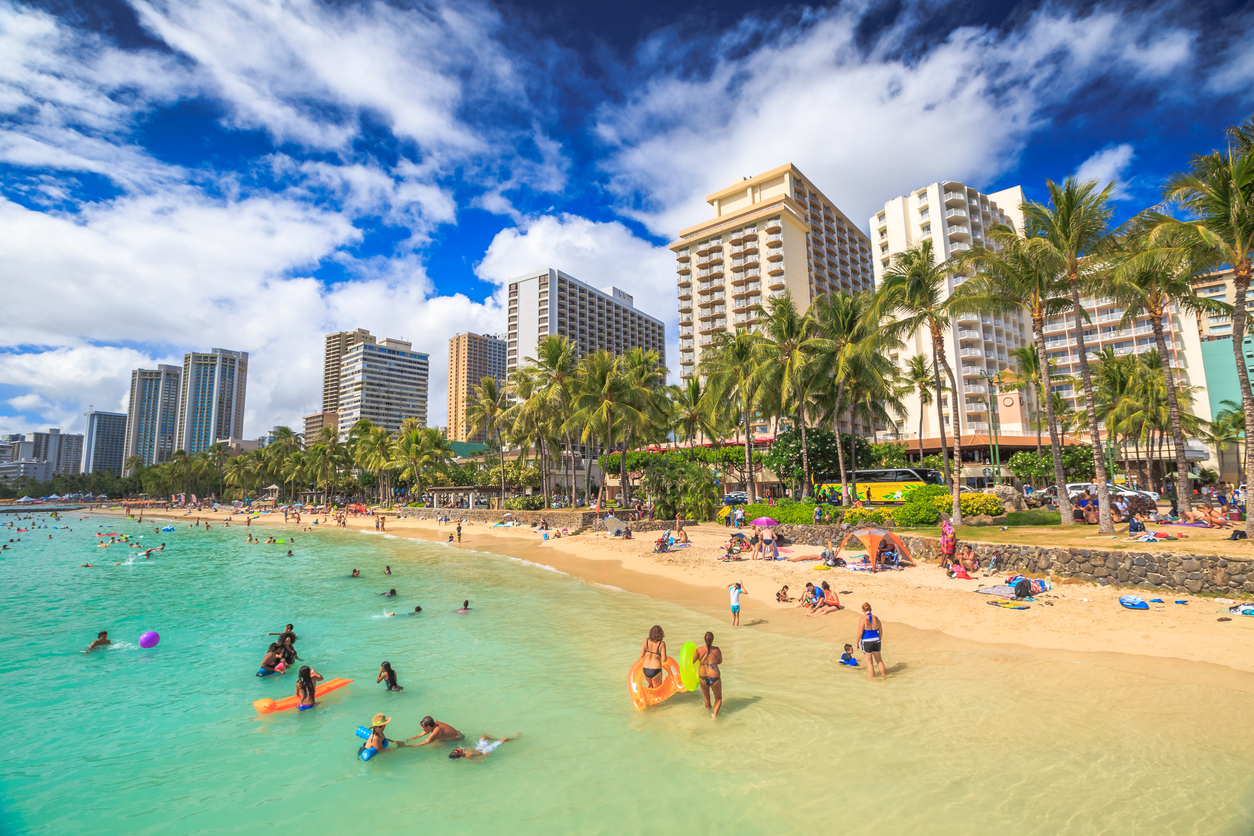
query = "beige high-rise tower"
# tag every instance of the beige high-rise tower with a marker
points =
(771, 234)
(471, 358)
(338, 345)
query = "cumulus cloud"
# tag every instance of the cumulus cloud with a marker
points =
(865, 123)
(1108, 165)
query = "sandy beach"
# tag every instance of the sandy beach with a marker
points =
(1082, 622)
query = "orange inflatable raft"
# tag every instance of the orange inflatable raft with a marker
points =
(269, 706)
(642, 696)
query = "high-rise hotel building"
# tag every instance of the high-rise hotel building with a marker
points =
(337, 345)
(384, 381)
(211, 399)
(551, 302)
(105, 446)
(954, 218)
(152, 414)
(471, 358)
(771, 235)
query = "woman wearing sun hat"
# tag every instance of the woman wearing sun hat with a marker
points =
(378, 740)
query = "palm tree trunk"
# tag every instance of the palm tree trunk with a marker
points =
(1184, 493)
(853, 461)
(1241, 283)
(500, 449)
(805, 455)
(1055, 443)
(1090, 407)
(938, 350)
(840, 448)
(920, 428)
(753, 494)
(940, 413)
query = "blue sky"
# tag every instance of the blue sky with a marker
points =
(253, 174)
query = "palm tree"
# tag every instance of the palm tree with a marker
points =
(914, 296)
(646, 377)
(917, 379)
(605, 400)
(373, 453)
(1066, 235)
(729, 365)
(1155, 274)
(1218, 196)
(556, 364)
(1013, 277)
(486, 412)
(696, 411)
(419, 451)
(294, 471)
(1227, 428)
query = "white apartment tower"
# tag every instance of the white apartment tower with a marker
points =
(955, 218)
(211, 399)
(152, 414)
(551, 302)
(383, 381)
(770, 235)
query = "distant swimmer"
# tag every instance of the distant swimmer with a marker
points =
(271, 661)
(652, 653)
(289, 552)
(387, 570)
(287, 631)
(435, 730)
(416, 610)
(486, 746)
(305, 688)
(102, 639)
(465, 606)
(356, 573)
(386, 672)
(391, 593)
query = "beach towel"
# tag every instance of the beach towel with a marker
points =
(1189, 525)
(1037, 586)
(1001, 591)
(1242, 609)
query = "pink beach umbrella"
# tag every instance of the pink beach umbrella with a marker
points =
(764, 521)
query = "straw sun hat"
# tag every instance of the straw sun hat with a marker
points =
(379, 720)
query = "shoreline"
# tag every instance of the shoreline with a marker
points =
(922, 608)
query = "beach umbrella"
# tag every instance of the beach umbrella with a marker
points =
(764, 521)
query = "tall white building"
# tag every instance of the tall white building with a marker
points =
(211, 399)
(152, 414)
(551, 302)
(954, 218)
(383, 381)
(105, 446)
(62, 452)
(771, 234)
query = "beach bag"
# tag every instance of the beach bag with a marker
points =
(1237, 535)
(1023, 589)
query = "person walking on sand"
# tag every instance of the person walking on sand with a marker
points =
(709, 674)
(871, 638)
(652, 654)
(736, 591)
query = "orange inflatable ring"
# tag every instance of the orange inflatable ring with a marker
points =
(642, 696)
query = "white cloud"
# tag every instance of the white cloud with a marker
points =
(596, 253)
(865, 123)
(1108, 166)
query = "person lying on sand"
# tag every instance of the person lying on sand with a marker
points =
(483, 748)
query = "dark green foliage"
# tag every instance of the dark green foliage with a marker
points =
(889, 454)
(916, 515)
(535, 502)
(678, 486)
(784, 456)
(1077, 464)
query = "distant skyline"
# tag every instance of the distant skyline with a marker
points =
(253, 175)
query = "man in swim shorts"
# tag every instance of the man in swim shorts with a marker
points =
(435, 730)
(483, 748)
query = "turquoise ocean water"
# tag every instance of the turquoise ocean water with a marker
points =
(165, 740)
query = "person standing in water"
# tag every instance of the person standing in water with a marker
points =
(386, 672)
(871, 637)
(710, 657)
(459, 531)
(305, 688)
(652, 654)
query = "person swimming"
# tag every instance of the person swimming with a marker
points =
(387, 570)
(102, 639)
(271, 661)
(486, 746)
(356, 573)
(305, 688)
(391, 593)
(465, 606)
(435, 730)
(386, 672)
(416, 610)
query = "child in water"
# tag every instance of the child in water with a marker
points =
(847, 658)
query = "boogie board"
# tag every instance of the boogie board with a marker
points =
(1009, 605)
(1134, 602)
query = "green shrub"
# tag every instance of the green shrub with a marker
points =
(535, 502)
(916, 514)
(1035, 516)
(794, 513)
(971, 504)
(870, 516)
(926, 493)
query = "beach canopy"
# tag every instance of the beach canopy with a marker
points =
(872, 537)
(26, 499)
(614, 527)
(764, 521)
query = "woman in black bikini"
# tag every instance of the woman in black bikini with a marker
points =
(708, 672)
(652, 652)
(386, 672)
(305, 688)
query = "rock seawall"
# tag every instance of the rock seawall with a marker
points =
(1195, 573)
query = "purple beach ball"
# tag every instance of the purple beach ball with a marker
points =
(149, 639)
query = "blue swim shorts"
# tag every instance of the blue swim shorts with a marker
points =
(736, 608)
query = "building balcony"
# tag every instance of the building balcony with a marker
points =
(959, 246)
(683, 256)
(958, 233)
(710, 313)
(685, 307)
(956, 212)
(685, 293)
(775, 283)
(955, 199)
(971, 352)
(774, 225)
(684, 281)
(776, 240)
(977, 388)
(775, 268)
(965, 334)
(714, 326)
(751, 287)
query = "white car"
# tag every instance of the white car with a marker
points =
(1074, 489)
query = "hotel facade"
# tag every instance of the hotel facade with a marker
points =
(471, 358)
(152, 414)
(211, 399)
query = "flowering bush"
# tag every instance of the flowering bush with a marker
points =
(870, 516)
